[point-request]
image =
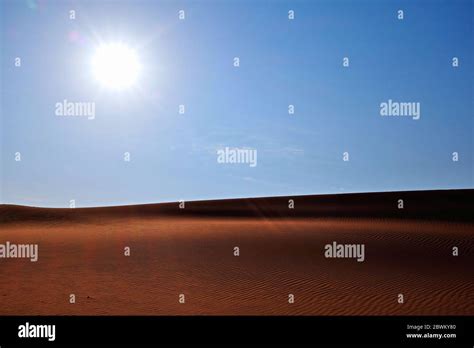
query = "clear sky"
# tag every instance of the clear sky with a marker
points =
(190, 62)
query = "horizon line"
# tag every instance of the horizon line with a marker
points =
(237, 198)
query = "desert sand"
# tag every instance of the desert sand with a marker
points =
(191, 251)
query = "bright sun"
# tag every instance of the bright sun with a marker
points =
(116, 66)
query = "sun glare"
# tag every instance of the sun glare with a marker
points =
(116, 66)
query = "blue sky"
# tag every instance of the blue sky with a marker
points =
(190, 62)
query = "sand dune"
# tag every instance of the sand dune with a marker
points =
(191, 251)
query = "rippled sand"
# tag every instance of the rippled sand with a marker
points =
(278, 256)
